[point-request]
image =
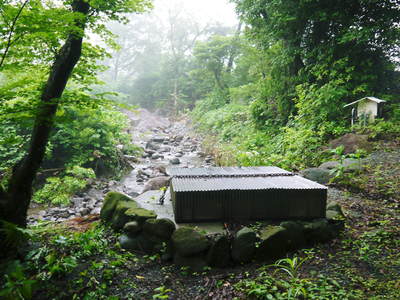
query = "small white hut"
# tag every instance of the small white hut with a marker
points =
(367, 108)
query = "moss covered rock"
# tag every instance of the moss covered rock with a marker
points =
(194, 263)
(319, 230)
(189, 242)
(119, 217)
(138, 243)
(132, 228)
(110, 203)
(274, 243)
(219, 254)
(161, 228)
(244, 245)
(295, 238)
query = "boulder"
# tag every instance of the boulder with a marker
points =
(138, 243)
(110, 203)
(219, 253)
(132, 228)
(349, 165)
(273, 244)
(156, 183)
(152, 146)
(140, 215)
(158, 139)
(351, 143)
(189, 242)
(319, 231)
(294, 234)
(119, 218)
(334, 206)
(195, 263)
(160, 228)
(322, 176)
(127, 211)
(175, 161)
(244, 245)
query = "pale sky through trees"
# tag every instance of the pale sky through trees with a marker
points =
(206, 11)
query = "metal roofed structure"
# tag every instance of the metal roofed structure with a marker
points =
(244, 193)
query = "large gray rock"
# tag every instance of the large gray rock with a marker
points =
(274, 243)
(322, 176)
(348, 164)
(189, 242)
(219, 254)
(156, 183)
(160, 228)
(152, 146)
(244, 245)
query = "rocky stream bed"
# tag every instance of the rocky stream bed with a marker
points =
(165, 144)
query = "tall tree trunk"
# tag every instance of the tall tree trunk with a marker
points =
(14, 202)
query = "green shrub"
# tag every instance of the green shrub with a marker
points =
(59, 190)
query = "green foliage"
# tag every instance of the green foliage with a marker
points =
(268, 286)
(59, 190)
(161, 293)
(14, 236)
(17, 285)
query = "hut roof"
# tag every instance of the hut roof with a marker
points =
(374, 99)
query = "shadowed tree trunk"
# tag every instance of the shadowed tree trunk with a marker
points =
(14, 201)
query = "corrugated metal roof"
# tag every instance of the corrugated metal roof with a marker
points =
(377, 100)
(192, 184)
(228, 172)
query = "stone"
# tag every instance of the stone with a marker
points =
(244, 245)
(273, 243)
(332, 215)
(189, 242)
(110, 202)
(319, 231)
(351, 143)
(178, 155)
(161, 228)
(219, 253)
(140, 215)
(84, 211)
(164, 149)
(152, 146)
(156, 183)
(132, 228)
(322, 176)
(158, 139)
(175, 161)
(195, 263)
(348, 164)
(334, 206)
(119, 218)
(156, 156)
(138, 243)
(294, 234)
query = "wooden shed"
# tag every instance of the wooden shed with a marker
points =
(244, 193)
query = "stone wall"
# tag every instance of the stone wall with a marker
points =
(186, 246)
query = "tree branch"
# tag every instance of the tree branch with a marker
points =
(9, 39)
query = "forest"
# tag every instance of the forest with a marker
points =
(98, 99)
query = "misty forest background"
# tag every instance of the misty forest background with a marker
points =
(269, 89)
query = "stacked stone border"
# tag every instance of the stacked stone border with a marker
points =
(189, 247)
